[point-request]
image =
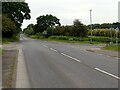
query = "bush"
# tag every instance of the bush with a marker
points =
(8, 27)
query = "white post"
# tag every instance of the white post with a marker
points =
(117, 30)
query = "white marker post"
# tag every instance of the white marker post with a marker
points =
(117, 30)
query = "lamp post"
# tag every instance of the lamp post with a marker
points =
(91, 24)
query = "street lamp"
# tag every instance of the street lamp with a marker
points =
(91, 24)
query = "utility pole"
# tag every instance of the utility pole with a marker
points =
(91, 24)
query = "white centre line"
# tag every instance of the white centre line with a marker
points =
(53, 49)
(71, 57)
(107, 73)
(45, 46)
(114, 76)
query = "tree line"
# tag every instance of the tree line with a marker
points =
(105, 25)
(49, 25)
(52, 26)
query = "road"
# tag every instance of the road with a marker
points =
(0, 69)
(61, 65)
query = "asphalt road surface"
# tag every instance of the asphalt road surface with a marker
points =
(61, 65)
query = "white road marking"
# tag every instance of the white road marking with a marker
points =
(45, 46)
(107, 73)
(53, 49)
(100, 54)
(71, 57)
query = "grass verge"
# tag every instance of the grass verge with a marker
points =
(9, 61)
(0, 51)
(112, 47)
(64, 40)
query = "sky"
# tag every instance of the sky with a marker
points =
(103, 11)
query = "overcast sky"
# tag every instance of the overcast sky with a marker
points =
(103, 11)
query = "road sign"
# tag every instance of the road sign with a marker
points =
(117, 29)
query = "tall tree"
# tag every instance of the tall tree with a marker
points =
(16, 11)
(79, 29)
(43, 22)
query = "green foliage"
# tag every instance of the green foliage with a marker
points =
(38, 34)
(103, 39)
(0, 52)
(50, 31)
(14, 38)
(8, 27)
(112, 47)
(29, 30)
(105, 25)
(76, 30)
(43, 22)
(94, 39)
(79, 29)
(16, 11)
(104, 32)
(68, 38)
(34, 36)
(59, 37)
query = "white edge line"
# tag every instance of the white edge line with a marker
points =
(71, 57)
(107, 73)
(53, 49)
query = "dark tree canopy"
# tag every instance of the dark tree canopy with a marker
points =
(105, 25)
(79, 29)
(16, 11)
(43, 22)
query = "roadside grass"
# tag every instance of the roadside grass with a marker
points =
(0, 40)
(112, 47)
(78, 42)
(0, 51)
